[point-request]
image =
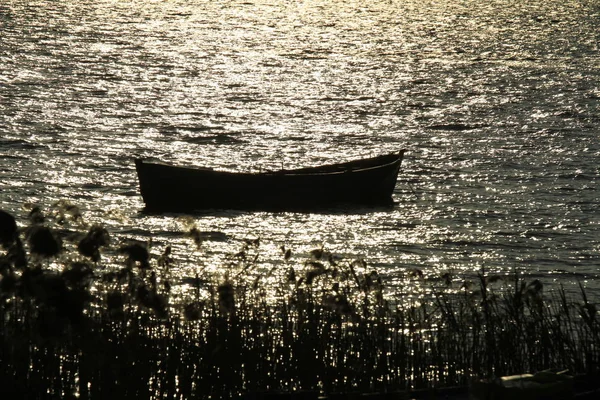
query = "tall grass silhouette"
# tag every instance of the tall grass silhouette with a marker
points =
(319, 325)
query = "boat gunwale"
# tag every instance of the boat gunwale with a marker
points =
(286, 172)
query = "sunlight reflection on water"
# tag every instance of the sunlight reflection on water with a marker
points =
(497, 104)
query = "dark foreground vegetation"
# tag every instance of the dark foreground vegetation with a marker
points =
(71, 327)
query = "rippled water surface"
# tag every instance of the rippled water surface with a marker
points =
(497, 102)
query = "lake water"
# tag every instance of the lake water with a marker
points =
(497, 103)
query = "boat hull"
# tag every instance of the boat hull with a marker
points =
(367, 182)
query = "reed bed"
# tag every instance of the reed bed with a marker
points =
(72, 328)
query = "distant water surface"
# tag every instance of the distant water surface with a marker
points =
(497, 102)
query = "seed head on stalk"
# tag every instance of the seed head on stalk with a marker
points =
(137, 254)
(43, 242)
(8, 229)
(90, 245)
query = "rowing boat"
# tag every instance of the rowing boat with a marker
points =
(365, 182)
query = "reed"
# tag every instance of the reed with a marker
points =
(72, 328)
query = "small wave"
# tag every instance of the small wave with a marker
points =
(16, 144)
(212, 139)
(214, 236)
(243, 99)
(408, 248)
(561, 272)
(199, 128)
(167, 129)
(348, 99)
(453, 127)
